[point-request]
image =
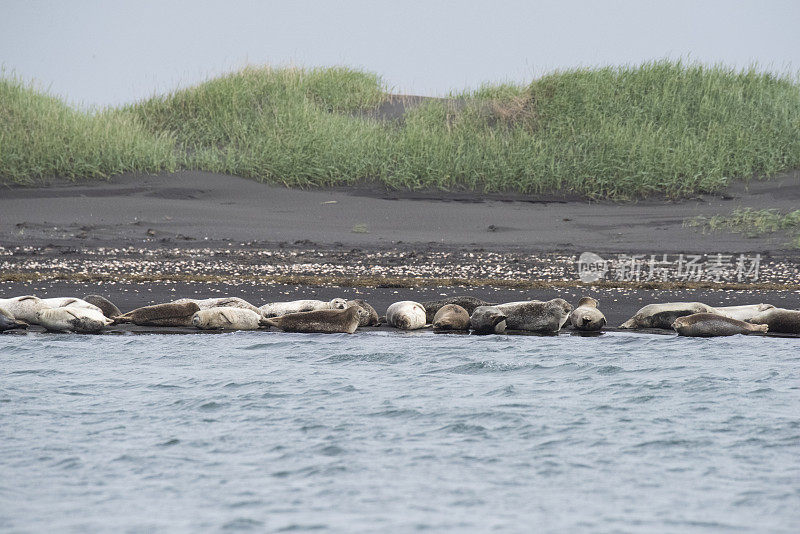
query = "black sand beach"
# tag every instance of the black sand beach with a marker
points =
(213, 209)
(146, 239)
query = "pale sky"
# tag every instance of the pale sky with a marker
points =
(110, 52)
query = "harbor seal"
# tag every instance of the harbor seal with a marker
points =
(72, 302)
(221, 302)
(226, 318)
(487, 320)
(466, 302)
(24, 308)
(106, 306)
(712, 325)
(779, 320)
(663, 315)
(367, 316)
(406, 315)
(743, 313)
(8, 322)
(451, 317)
(544, 317)
(318, 321)
(276, 309)
(72, 319)
(586, 317)
(169, 314)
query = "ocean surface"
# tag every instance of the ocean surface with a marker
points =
(393, 432)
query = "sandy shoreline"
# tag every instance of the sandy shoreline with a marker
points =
(189, 207)
(145, 239)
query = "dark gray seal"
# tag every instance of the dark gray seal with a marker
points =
(106, 306)
(779, 320)
(8, 322)
(169, 314)
(586, 317)
(317, 321)
(712, 325)
(487, 320)
(543, 317)
(663, 315)
(451, 317)
(468, 303)
(367, 316)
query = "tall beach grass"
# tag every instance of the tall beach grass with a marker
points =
(665, 128)
(42, 137)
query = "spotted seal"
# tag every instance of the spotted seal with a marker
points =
(24, 308)
(451, 317)
(8, 322)
(276, 309)
(663, 315)
(106, 306)
(406, 315)
(487, 320)
(586, 317)
(220, 302)
(226, 318)
(168, 314)
(779, 320)
(466, 302)
(544, 317)
(367, 316)
(743, 313)
(72, 319)
(712, 324)
(318, 321)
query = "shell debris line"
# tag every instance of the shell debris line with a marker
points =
(339, 265)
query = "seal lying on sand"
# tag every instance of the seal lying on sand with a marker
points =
(712, 324)
(406, 315)
(318, 321)
(72, 319)
(226, 318)
(780, 320)
(663, 315)
(536, 316)
(487, 320)
(468, 303)
(24, 308)
(8, 322)
(222, 302)
(743, 313)
(73, 302)
(276, 309)
(451, 317)
(367, 316)
(169, 314)
(105, 305)
(586, 316)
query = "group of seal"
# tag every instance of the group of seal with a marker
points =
(462, 313)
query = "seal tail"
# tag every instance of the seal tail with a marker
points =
(630, 323)
(760, 328)
(268, 321)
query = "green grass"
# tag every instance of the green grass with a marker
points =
(752, 223)
(664, 128)
(41, 137)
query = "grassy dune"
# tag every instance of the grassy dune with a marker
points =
(41, 137)
(662, 128)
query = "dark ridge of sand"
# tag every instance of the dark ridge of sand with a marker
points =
(192, 207)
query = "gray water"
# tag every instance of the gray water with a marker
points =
(391, 432)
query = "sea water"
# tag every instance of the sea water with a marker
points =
(393, 432)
